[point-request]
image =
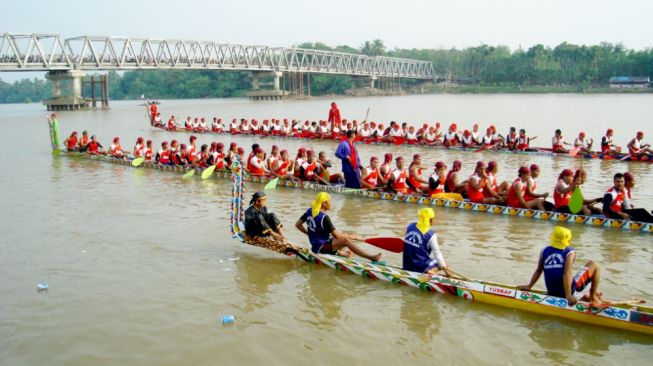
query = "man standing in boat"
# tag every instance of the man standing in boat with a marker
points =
(351, 164)
(556, 261)
(53, 125)
(323, 236)
(261, 224)
(334, 117)
(421, 251)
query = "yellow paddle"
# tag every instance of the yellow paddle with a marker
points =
(189, 174)
(272, 184)
(138, 161)
(208, 171)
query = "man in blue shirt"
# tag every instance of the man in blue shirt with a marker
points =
(351, 164)
(556, 261)
(421, 251)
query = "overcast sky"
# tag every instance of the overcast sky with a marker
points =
(405, 24)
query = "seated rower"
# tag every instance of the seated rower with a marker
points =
(139, 148)
(583, 145)
(511, 139)
(517, 192)
(491, 172)
(398, 177)
(637, 214)
(261, 225)
(411, 136)
(556, 262)
(371, 176)
(421, 251)
(476, 186)
(163, 155)
(94, 147)
(451, 138)
(562, 191)
(607, 146)
(299, 160)
(487, 141)
(531, 186)
(323, 166)
(308, 169)
(256, 165)
(416, 183)
(323, 236)
(216, 157)
(272, 159)
(283, 166)
(386, 169)
(71, 142)
(558, 142)
(467, 140)
(437, 180)
(234, 127)
(637, 149)
(188, 124)
(115, 149)
(614, 199)
(149, 152)
(451, 184)
(523, 141)
(83, 142)
(202, 159)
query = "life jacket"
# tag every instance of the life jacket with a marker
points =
(388, 171)
(417, 252)
(175, 158)
(139, 150)
(164, 156)
(372, 177)
(148, 154)
(513, 201)
(618, 199)
(561, 199)
(436, 185)
(413, 182)
(487, 141)
(115, 149)
(476, 195)
(553, 264)
(282, 170)
(253, 170)
(309, 170)
(528, 197)
(72, 143)
(298, 163)
(93, 147)
(448, 182)
(467, 141)
(523, 143)
(399, 180)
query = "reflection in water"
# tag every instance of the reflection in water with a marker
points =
(556, 339)
(424, 321)
(255, 275)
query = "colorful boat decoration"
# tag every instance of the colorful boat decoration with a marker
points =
(598, 221)
(538, 151)
(624, 316)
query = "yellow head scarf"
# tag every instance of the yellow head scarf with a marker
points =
(424, 219)
(560, 237)
(317, 203)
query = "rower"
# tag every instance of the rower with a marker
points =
(476, 186)
(614, 199)
(255, 166)
(323, 236)
(531, 186)
(476, 137)
(149, 153)
(637, 149)
(83, 142)
(637, 214)
(115, 149)
(157, 120)
(523, 141)
(385, 169)
(218, 156)
(451, 182)
(582, 144)
(261, 224)
(201, 161)
(94, 147)
(416, 184)
(411, 136)
(371, 176)
(172, 126)
(323, 166)
(562, 191)
(421, 251)
(556, 261)
(397, 181)
(607, 147)
(558, 142)
(274, 156)
(487, 141)
(511, 139)
(163, 155)
(309, 167)
(283, 166)
(191, 152)
(71, 142)
(234, 127)
(467, 140)
(451, 138)
(139, 148)
(438, 179)
(518, 190)
(491, 172)
(299, 160)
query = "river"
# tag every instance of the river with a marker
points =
(141, 267)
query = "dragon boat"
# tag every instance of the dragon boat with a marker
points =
(620, 315)
(538, 151)
(598, 221)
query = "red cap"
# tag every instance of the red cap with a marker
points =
(399, 158)
(388, 157)
(373, 158)
(523, 170)
(417, 156)
(440, 165)
(534, 167)
(609, 131)
(491, 165)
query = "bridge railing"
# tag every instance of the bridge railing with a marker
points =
(22, 52)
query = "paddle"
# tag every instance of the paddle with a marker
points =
(189, 174)
(576, 201)
(272, 184)
(208, 171)
(138, 161)
(395, 245)
(483, 148)
(624, 157)
(367, 114)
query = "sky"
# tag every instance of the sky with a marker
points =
(405, 24)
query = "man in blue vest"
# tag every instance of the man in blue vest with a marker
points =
(323, 236)
(556, 261)
(421, 251)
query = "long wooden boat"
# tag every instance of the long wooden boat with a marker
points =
(627, 317)
(538, 151)
(598, 221)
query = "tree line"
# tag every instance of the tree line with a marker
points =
(564, 65)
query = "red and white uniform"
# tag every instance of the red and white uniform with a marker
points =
(523, 143)
(513, 201)
(164, 156)
(557, 142)
(139, 150)
(115, 150)
(282, 169)
(399, 180)
(149, 154)
(476, 195)
(618, 199)
(256, 166)
(372, 176)
(561, 199)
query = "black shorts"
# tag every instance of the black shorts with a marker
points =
(327, 248)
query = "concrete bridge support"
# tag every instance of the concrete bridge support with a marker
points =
(266, 94)
(372, 80)
(59, 101)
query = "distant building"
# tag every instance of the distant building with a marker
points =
(629, 82)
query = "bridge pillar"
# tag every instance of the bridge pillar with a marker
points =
(66, 102)
(277, 76)
(372, 80)
(255, 81)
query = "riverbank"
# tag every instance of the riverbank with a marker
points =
(541, 89)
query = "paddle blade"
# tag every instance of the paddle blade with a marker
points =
(208, 171)
(138, 161)
(399, 141)
(272, 184)
(189, 174)
(573, 152)
(448, 196)
(576, 201)
(395, 245)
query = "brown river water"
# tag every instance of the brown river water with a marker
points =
(141, 266)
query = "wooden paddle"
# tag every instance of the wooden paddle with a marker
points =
(208, 171)
(395, 245)
(138, 161)
(272, 184)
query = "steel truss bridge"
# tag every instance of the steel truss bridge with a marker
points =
(51, 52)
